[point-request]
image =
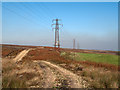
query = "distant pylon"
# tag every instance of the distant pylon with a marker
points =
(57, 41)
(77, 45)
(73, 43)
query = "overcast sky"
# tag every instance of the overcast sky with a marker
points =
(94, 25)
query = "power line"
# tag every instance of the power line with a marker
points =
(26, 18)
(52, 13)
(44, 11)
(47, 15)
(33, 12)
(16, 13)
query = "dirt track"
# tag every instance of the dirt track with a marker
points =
(53, 75)
(68, 78)
(21, 55)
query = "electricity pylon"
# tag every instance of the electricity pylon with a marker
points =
(77, 45)
(56, 28)
(73, 43)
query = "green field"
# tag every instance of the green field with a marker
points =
(102, 58)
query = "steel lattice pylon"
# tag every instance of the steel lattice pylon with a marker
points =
(56, 28)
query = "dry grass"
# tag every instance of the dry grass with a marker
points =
(96, 77)
(20, 75)
(13, 82)
(99, 78)
(9, 78)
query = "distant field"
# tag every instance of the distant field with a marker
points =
(102, 58)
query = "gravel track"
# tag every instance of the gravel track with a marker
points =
(65, 78)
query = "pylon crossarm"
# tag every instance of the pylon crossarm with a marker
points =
(52, 25)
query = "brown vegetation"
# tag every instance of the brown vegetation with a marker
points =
(103, 76)
(10, 51)
(20, 75)
(96, 77)
(54, 56)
